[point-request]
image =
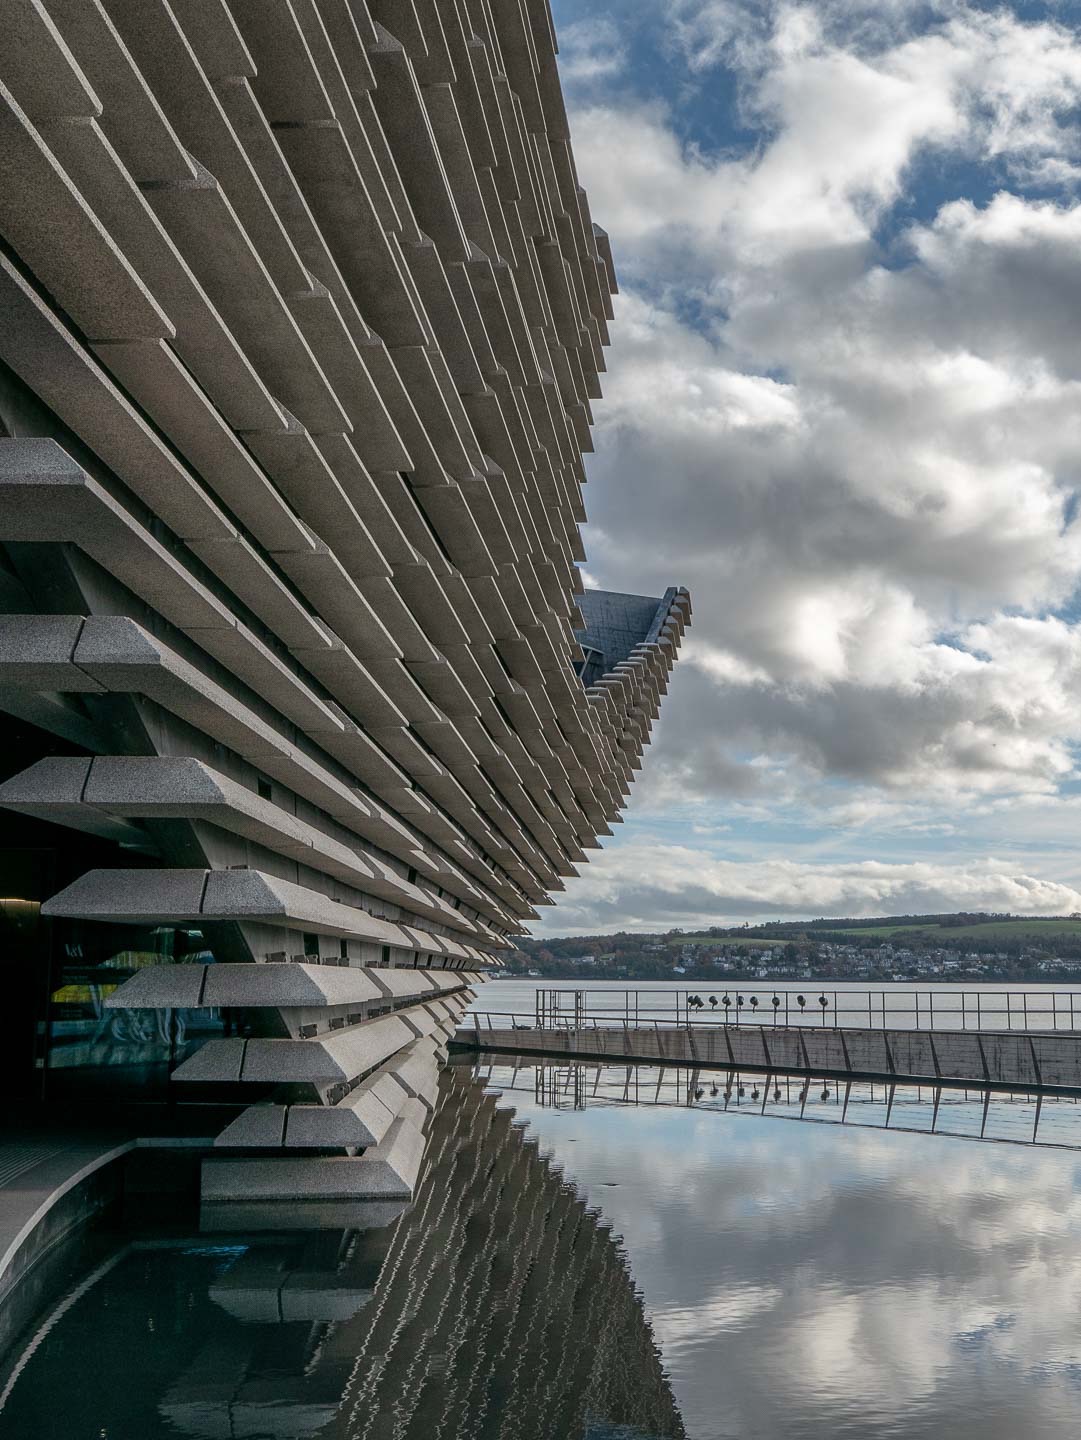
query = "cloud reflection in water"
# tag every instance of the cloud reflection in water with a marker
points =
(812, 1281)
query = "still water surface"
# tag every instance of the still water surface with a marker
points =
(902, 1004)
(581, 1267)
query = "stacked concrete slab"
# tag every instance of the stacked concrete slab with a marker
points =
(301, 318)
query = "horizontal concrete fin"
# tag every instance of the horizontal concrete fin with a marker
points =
(387, 1171)
(129, 896)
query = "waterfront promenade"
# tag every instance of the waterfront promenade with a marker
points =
(997, 1039)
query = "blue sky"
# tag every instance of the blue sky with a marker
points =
(843, 405)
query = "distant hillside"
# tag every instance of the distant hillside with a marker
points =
(965, 945)
(962, 925)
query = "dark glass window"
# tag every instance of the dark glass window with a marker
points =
(94, 1048)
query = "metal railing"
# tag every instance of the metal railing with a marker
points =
(885, 1008)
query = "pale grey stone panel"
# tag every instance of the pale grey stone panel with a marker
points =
(161, 987)
(131, 895)
(328, 1059)
(389, 1174)
(402, 983)
(52, 790)
(279, 986)
(44, 76)
(37, 653)
(217, 1060)
(420, 1020)
(259, 1125)
(50, 225)
(418, 1075)
(395, 1163)
(136, 123)
(358, 1121)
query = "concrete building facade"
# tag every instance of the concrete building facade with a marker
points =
(303, 708)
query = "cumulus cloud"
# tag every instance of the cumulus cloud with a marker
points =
(844, 407)
(591, 49)
(649, 886)
(839, 125)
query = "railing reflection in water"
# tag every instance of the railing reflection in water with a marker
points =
(958, 1112)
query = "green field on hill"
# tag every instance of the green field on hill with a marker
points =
(1014, 928)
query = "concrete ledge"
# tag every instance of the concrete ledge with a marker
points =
(323, 1061)
(388, 1171)
(277, 986)
(132, 896)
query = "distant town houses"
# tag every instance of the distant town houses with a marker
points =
(937, 951)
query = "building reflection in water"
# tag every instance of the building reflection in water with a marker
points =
(500, 1304)
(955, 1112)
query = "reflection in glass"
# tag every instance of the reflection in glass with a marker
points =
(92, 1047)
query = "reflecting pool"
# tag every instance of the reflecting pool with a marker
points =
(605, 1253)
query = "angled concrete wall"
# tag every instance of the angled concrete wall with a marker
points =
(302, 312)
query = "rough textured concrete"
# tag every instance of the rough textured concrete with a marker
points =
(387, 1171)
(304, 310)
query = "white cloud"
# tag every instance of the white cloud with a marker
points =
(648, 886)
(859, 463)
(590, 50)
(855, 436)
(841, 123)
